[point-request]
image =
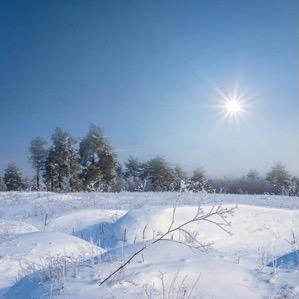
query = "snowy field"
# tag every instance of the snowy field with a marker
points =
(65, 245)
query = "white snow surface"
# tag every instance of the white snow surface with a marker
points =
(12, 227)
(24, 253)
(80, 220)
(63, 245)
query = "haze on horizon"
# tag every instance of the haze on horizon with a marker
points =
(149, 73)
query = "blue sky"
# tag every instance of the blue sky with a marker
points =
(145, 71)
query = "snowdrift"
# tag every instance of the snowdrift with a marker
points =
(13, 227)
(25, 253)
(255, 261)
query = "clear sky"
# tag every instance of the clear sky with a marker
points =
(146, 72)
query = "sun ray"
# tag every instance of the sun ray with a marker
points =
(232, 106)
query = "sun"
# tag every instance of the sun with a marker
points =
(233, 107)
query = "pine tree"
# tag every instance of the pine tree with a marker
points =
(133, 167)
(2, 184)
(13, 177)
(38, 158)
(74, 167)
(121, 183)
(133, 174)
(279, 177)
(28, 184)
(51, 171)
(198, 181)
(62, 164)
(98, 160)
(180, 178)
(92, 145)
(90, 177)
(253, 175)
(108, 165)
(294, 186)
(159, 174)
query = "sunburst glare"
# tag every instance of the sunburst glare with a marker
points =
(232, 106)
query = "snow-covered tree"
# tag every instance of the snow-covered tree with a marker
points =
(121, 182)
(198, 181)
(159, 175)
(28, 183)
(279, 177)
(51, 171)
(294, 186)
(133, 173)
(108, 166)
(2, 185)
(133, 167)
(98, 160)
(74, 166)
(38, 155)
(253, 175)
(13, 177)
(180, 178)
(62, 164)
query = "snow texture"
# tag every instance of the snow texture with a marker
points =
(63, 245)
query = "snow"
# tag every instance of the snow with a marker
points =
(289, 260)
(80, 220)
(12, 227)
(23, 253)
(86, 224)
(96, 232)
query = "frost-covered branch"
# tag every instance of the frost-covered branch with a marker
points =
(200, 216)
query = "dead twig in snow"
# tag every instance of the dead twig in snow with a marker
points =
(216, 211)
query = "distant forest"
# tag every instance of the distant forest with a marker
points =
(92, 165)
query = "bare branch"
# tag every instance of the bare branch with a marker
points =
(122, 266)
(218, 211)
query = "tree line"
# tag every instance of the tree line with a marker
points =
(92, 165)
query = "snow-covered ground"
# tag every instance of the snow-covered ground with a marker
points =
(64, 245)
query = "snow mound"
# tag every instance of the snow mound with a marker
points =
(13, 227)
(26, 253)
(147, 222)
(259, 229)
(39, 244)
(287, 261)
(27, 288)
(165, 268)
(261, 226)
(80, 220)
